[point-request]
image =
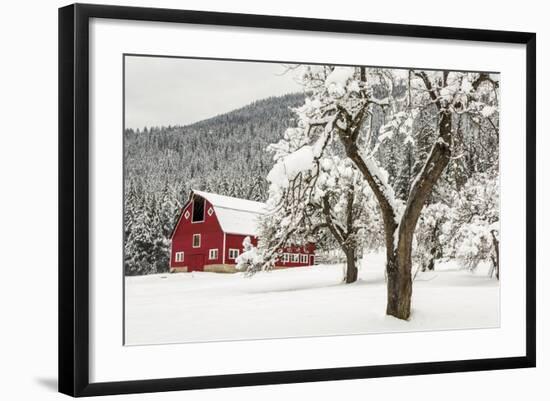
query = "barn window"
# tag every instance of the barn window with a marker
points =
(210, 211)
(286, 257)
(233, 253)
(179, 256)
(198, 209)
(196, 240)
(303, 258)
(213, 254)
(295, 258)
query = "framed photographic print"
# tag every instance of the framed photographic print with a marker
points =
(249, 199)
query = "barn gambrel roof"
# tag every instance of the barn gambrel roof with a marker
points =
(235, 215)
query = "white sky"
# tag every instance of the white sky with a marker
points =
(177, 91)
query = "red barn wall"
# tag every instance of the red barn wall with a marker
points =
(211, 237)
(308, 250)
(236, 241)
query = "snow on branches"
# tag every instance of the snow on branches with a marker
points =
(313, 191)
(249, 258)
(477, 222)
(340, 81)
(351, 134)
(462, 224)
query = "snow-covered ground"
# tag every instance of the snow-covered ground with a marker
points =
(312, 301)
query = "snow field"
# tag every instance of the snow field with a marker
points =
(308, 301)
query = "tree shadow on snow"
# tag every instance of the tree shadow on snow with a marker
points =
(307, 287)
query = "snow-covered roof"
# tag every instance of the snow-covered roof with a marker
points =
(235, 215)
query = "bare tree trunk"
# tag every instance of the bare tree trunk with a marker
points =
(399, 263)
(344, 237)
(351, 266)
(399, 287)
(496, 261)
(429, 265)
(434, 248)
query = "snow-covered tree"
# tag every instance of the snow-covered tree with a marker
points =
(432, 235)
(338, 111)
(347, 209)
(308, 195)
(249, 257)
(139, 245)
(476, 222)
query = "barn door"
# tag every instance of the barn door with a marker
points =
(311, 260)
(196, 263)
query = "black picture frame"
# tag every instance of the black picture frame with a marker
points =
(74, 198)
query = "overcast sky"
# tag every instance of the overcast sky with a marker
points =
(176, 91)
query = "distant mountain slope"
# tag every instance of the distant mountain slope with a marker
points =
(224, 154)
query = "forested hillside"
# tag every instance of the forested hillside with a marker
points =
(224, 154)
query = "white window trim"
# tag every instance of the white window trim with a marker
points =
(179, 257)
(295, 258)
(286, 257)
(304, 258)
(213, 254)
(232, 251)
(193, 243)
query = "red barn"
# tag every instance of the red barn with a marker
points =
(210, 231)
